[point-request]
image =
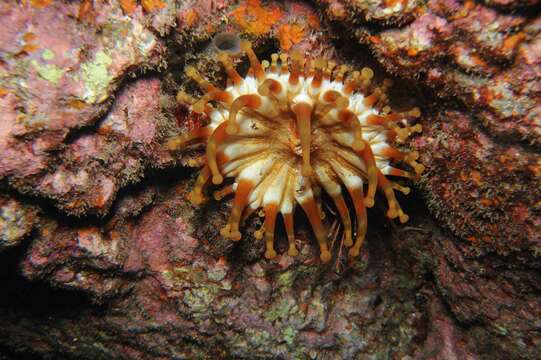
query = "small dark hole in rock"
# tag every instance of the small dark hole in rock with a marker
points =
(229, 42)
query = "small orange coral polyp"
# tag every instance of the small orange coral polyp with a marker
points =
(290, 129)
(256, 19)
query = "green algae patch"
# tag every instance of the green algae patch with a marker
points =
(318, 311)
(259, 338)
(282, 310)
(97, 78)
(286, 279)
(216, 274)
(48, 55)
(289, 334)
(199, 299)
(49, 72)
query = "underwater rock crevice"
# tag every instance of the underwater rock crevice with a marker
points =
(148, 275)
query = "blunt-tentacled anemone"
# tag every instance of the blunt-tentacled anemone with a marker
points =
(291, 129)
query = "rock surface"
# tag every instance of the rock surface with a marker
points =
(102, 256)
(488, 59)
(58, 75)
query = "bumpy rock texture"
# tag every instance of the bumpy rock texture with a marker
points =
(102, 256)
(58, 76)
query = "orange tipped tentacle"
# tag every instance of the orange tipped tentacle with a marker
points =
(270, 87)
(344, 215)
(221, 158)
(327, 73)
(392, 153)
(395, 116)
(255, 65)
(180, 141)
(352, 82)
(287, 208)
(218, 95)
(372, 174)
(336, 99)
(362, 220)
(414, 112)
(366, 78)
(283, 64)
(203, 83)
(418, 168)
(310, 207)
(221, 96)
(196, 197)
(417, 128)
(400, 127)
(271, 188)
(331, 96)
(373, 98)
(403, 133)
(231, 230)
(251, 101)
(410, 159)
(390, 135)
(389, 170)
(234, 167)
(394, 207)
(407, 157)
(340, 73)
(332, 100)
(290, 231)
(403, 189)
(271, 210)
(303, 113)
(215, 139)
(352, 121)
(185, 98)
(233, 75)
(377, 120)
(274, 63)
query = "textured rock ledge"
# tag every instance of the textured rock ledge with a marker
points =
(101, 256)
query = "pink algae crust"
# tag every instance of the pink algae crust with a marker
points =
(151, 278)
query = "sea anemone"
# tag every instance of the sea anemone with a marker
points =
(291, 129)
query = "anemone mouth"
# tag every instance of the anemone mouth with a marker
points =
(292, 128)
